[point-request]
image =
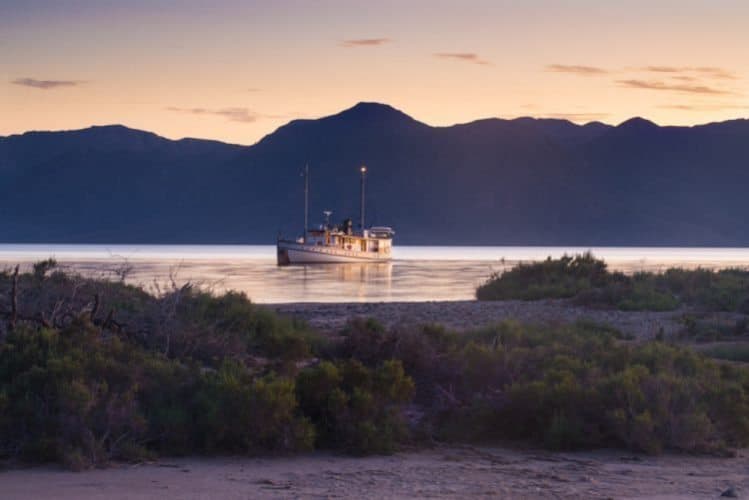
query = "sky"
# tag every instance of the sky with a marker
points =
(236, 70)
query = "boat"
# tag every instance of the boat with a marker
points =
(330, 244)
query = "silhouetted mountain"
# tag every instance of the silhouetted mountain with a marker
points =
(506, 182)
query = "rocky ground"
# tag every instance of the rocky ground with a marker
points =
(449, 472)
(462, 315)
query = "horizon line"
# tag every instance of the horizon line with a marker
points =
(559, 117)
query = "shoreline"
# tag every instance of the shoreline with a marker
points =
(462, 315)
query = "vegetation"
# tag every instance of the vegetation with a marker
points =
(587, 281)
(95, 370)
(356, 408)
(575, 386)
(728, 352)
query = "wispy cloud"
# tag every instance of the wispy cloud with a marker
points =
(673, 87)
(719, 73)
(365, 42)
(576, 69)
(45, 84)
(470, 57)
(703, 107)
(663, 69)
(577, 117)
(682, 73)
(242, 115)
(705, 71)
(685, 78)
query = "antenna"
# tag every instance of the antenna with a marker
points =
(363, 171)
(306, 200)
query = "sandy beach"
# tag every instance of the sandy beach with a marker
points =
(446, 472)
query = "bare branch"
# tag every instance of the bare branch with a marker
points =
(14, 301)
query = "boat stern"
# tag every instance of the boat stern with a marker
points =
(282, 255)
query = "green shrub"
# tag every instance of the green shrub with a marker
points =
(211, 327)
(82, 399)
(573, 386)
(356, 408)
(587, 281)
(237, 412)
(70, 395)
(550, 279)
(730, 352)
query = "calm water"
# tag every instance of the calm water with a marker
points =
(416, 273)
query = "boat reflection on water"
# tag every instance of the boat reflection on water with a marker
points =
(347, 282)
(376, 274)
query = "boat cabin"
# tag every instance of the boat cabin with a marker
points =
(376, 240)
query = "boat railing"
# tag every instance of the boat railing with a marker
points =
(335, 251)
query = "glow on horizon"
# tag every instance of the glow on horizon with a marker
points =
(236, 70)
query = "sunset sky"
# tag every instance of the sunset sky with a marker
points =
(236, 70)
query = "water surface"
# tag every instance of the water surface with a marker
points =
(416, 273)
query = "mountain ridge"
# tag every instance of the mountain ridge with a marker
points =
(490, 181)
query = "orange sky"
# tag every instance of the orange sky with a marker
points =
(236, 70)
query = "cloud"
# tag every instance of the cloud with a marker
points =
(674, 87)
(719, 73)
(254, 89)
(577, 117)
(470, 57)
(664, 69)
(45, 84)
(242, 115)
(705, 71)
(576, 69)
(685, 78)
(703, 107)
(365, 42)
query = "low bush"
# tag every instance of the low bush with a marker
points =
(93, 370)
(356, 408)
(549, 279)
(728, 352)
(237, 412)
(76, 397)
(567, 387)
(586, 281)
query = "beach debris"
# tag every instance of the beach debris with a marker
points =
(730, 493)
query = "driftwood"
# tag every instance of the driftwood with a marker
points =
(62, 313)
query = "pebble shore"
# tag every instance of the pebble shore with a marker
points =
(472, 314)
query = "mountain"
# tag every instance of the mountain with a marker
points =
(503, 182)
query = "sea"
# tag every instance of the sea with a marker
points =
(417, 273)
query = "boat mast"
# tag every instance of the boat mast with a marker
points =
(306, 200)
(363, 171)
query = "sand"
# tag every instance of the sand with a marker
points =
(446, 472)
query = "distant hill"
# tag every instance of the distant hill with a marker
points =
(501, 182)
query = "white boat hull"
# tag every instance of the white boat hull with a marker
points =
(297, 253)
